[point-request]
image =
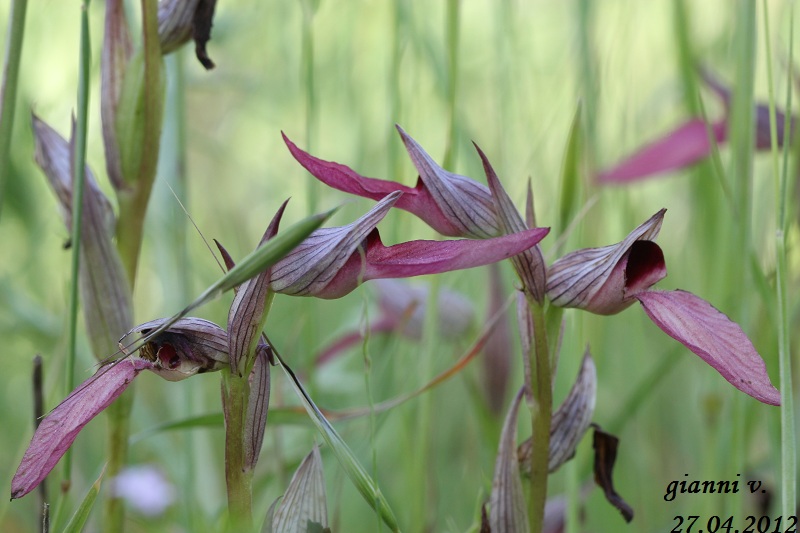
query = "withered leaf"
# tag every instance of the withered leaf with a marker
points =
(605, 454)
(201, 31)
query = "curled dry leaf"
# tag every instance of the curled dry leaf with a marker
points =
(605, 455)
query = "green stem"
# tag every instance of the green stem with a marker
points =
(452, 21)
(133, 203)
(8, 94)
(742, 141)
(236, 394)
(78, 181)
(541, 414)
(788, 436)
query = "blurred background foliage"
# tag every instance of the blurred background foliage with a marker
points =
(336, 76)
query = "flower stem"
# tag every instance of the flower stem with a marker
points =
(235, 396)
(541, 414)
(788, 435)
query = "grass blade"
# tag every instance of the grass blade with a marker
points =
(360, 478)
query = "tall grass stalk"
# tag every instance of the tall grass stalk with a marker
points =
(309, 89)
(78, 181)
(741, 170)
(8, 93)
(788, 497)
(452, 23)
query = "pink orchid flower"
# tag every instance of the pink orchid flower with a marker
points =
(332, 262)
(609, 279)
(188, 347)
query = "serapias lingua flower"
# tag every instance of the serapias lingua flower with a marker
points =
(453, 205)
(332, 262)
(609, 279)
(188, 347)
(691, 141)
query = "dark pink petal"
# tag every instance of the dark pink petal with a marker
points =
(58, 430)
(710, 334)
(466, 203)
(418, 258)
(417, 201)
(684, 146)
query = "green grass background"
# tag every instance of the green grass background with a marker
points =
(336, 77)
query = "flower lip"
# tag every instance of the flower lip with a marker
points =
(605, 280)
(190, 346)
(644, 267)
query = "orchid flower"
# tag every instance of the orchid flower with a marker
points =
(609, 279)
(188, 347)
(332, 262)
(453, 205)
(691, 141)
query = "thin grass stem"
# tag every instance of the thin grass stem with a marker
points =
(8, 93)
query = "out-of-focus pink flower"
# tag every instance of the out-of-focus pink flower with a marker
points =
(144, 488)
(691, 141)
(402, 311)
(609, 279)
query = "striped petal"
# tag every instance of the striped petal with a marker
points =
(59, 429)
(529, 264)
(467, 204)
(605, 280)
(311, 267)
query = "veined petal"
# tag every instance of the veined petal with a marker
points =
(188, 347)
(257, 407)
(507, 501)
(305, 500)
(103, 283)
(570, 421)
(710, 334)
(687, 144)
(466, 203)
(58, 430)
(310, 268)
(117, 51)
(175, 23)
(248, 314)
(417, 200)
(605, 280)
(529, 264)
